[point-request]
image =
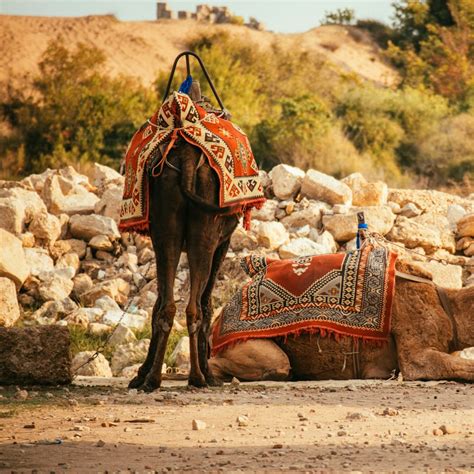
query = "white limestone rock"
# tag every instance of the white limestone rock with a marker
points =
(286, 181)
(272, 235)
(465, 226)
(98, 367)
(310, 215)
(343, 227)
(102, 174)
(13, 264)
(266, 212)
(122, 335)
(413, 234)
(242, 239)
(454, 215)
(86, 227)
(110, 202)
(322, 187)
(63, 196)
(129, 354)
(301, 247)
(365, 193)
(55, 285)
(45, 227)
(180, 357)
(38, 260)
(9, 308)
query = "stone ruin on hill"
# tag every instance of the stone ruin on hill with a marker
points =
(205, 13)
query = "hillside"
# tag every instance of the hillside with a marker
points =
(141, 49)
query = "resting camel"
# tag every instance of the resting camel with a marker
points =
(422, 341)
(181, 198)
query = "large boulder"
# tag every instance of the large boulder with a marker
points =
(98, 367)
(86, 227)
(343, 227)
(68, 196)
(38, 355)
(12, 259)
(322, 187)
(286, 181)
(272, 234)
(9, 309)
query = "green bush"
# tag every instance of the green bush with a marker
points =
(448, 152)
(76, 113)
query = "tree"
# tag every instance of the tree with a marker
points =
(76, 113)
(342, 16)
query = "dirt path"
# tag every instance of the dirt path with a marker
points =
(312, 427)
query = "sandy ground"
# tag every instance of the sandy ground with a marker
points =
(143, 48)
(308, 427)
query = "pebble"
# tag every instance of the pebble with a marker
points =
(242, 420)
(199, 425)
(100, 444)
(21, 395)
(447, 429)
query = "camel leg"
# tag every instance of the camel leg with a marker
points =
(200, 263)
(146, 366)
(430, 364)
(206, 305)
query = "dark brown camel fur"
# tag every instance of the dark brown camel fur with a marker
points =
(180, 220)
(420, 346)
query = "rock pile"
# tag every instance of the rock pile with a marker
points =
(64, 262)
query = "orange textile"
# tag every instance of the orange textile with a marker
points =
(344, 294)
(223, 143)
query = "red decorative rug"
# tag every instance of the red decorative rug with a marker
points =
(344, 294)
(225, 146)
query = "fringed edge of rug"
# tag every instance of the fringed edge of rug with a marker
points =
(138, 227)
(377, 341)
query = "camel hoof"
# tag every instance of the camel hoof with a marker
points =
(198, 382)
(136, 382)
(149, 385)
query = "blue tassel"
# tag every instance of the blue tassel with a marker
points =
(186, 85)
(359, 227)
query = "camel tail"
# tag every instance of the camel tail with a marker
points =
(188, 178)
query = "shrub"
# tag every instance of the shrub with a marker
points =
(76, 113)
(448, 152)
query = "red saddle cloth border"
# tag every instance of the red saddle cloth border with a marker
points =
(220, 342)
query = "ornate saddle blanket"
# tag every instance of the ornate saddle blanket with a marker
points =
(223, 143)
(344, 294)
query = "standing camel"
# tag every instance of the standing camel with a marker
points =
(180, 221)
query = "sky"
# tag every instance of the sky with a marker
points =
(285, 16)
